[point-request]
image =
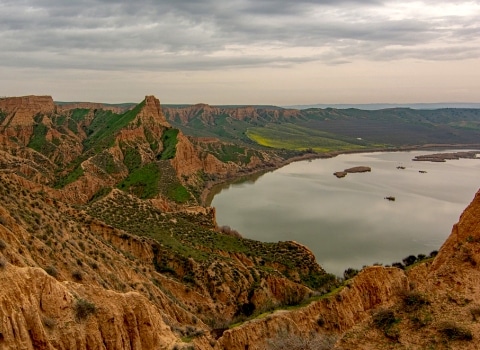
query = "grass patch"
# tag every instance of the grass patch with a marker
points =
(169, 140)
(73, 126)
(231, 153)
(296, 137)
(131, 158)
(71, 177)
(320, 281)
(103, 192)
(101, 132)
(79, 114)
(3, 116)
(107, 162)
(142, 182)
(178, 193)
(38, 141)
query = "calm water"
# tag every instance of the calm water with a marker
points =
(347, 222)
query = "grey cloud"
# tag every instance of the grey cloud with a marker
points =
(183, 35)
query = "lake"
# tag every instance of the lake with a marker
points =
(348, 222)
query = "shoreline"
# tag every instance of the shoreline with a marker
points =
(206, 192)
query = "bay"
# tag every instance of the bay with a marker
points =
(348, 222)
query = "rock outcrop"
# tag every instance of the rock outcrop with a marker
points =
(21, 110)
(208, 115)
(38, 312)
(18, 116)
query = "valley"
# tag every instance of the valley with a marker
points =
(106, 242)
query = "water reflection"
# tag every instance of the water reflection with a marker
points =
(347, 222)
(238, 182)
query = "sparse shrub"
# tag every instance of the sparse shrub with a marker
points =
(421, 257)
(286, 341)
(84, 308)
(77, 275)
(475, 312)
(434, 253)
(49, 322)
(421, 319)
(385, 320)
(320, 321)
(3, 245)
(52, 271)
(452, 331)
(414, 300)
(350, 273)
(229, 231)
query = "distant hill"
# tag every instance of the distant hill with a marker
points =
(376, 106)
(329, 129)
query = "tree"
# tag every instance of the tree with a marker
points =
(410, 260)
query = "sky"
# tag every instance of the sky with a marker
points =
(242, 51)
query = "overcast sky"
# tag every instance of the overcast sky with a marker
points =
(242, 51)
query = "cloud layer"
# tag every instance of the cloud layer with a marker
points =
(211, 35)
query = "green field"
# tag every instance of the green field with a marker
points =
(299, 138)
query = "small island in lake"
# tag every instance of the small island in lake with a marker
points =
(356, 169)
(443, 157)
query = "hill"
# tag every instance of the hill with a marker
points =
(104, 244)
(330, 130)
